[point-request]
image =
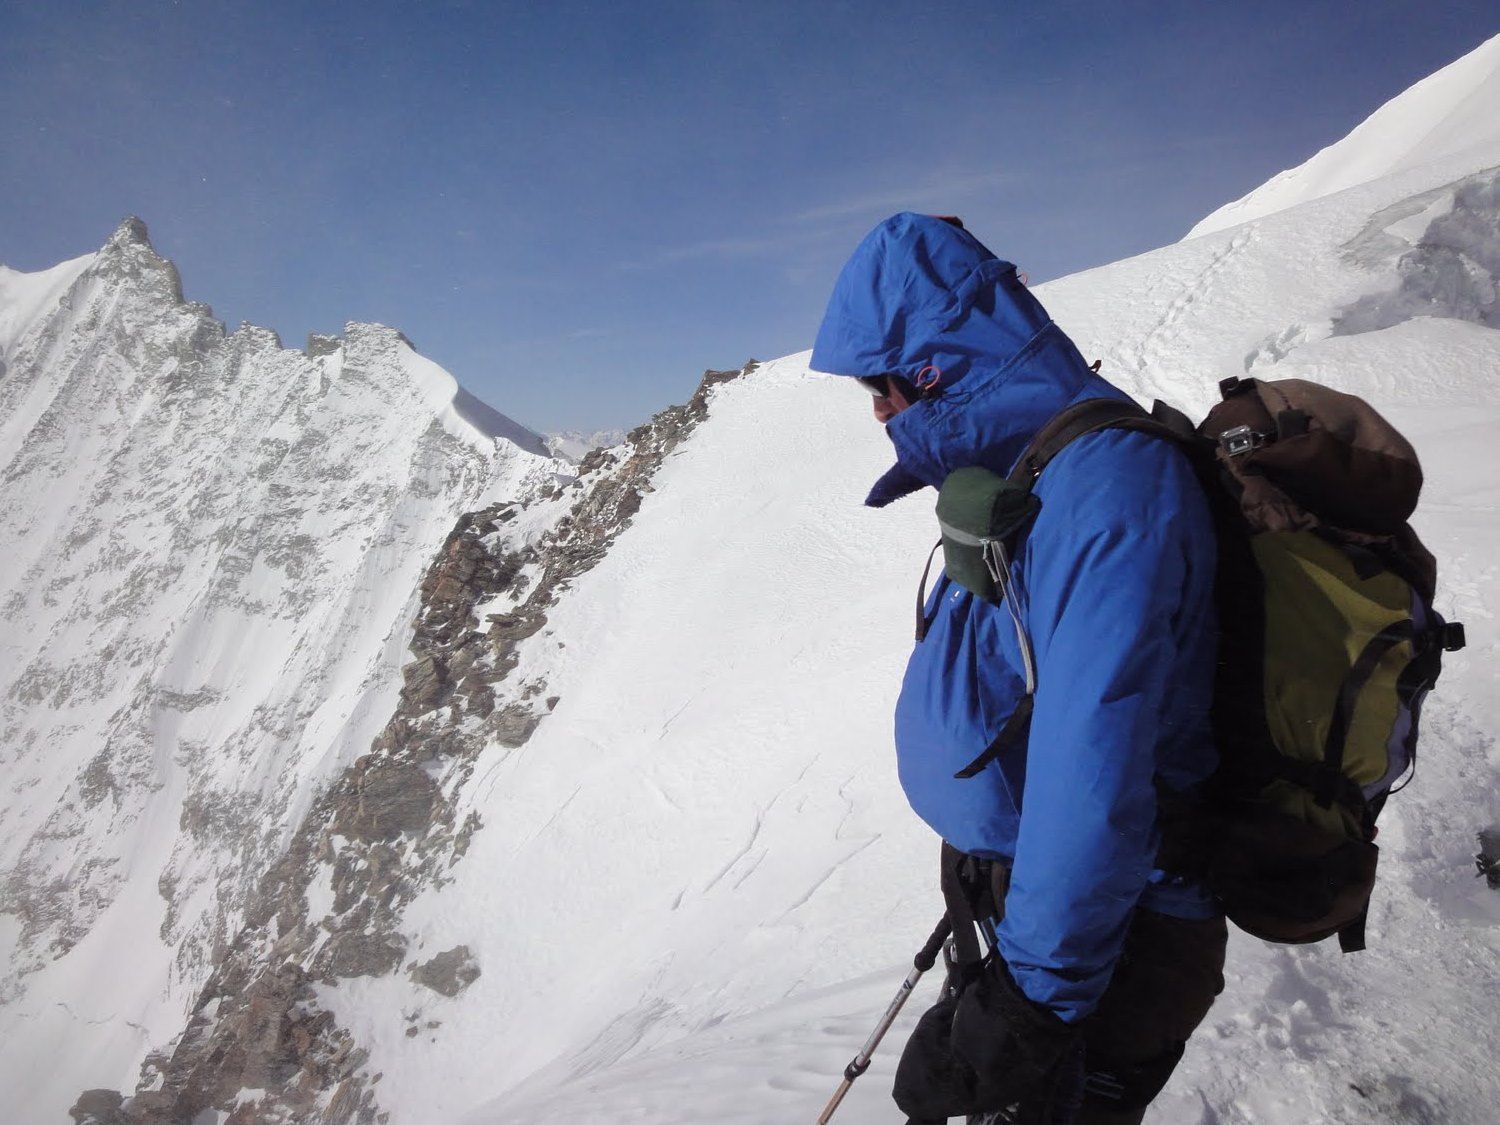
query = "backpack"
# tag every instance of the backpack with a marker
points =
(1328, 642)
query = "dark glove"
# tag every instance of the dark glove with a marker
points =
(990, 1049)
(931, 1085)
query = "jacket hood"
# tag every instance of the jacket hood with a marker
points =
(919, 292)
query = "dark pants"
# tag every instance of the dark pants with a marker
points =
(1169, 973)
(1162, 988)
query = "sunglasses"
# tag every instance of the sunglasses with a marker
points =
(880, 386)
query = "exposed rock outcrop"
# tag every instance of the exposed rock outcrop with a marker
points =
(449, 973)
(259, 1046)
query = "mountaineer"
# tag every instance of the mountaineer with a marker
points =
(1041, 721)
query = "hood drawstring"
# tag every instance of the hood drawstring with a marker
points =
(929, 386)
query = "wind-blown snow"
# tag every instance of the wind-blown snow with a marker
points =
(461, 413)
(698, 884)
(1448, 116)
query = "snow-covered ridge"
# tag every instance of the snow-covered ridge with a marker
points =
(25, 296)
(210, 554)
(1450, 116)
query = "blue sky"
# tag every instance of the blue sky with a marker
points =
(577, 207)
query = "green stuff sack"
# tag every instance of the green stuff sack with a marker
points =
(981, 515)
(978, 512)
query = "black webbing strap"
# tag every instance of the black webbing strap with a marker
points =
(974, 892)
(1086, 417)
(1327, 788)
(956, 880)
(1422, 673)
(1015, 729)
(922, 593)
(1451, 636)
(1352, 936)
(1419, 677)
(1315, 777)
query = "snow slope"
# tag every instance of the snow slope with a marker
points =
(1447, 117)
(698, 884)
(210, 552)
(26, 296)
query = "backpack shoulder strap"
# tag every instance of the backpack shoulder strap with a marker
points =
(1087, 417)
(1061, 430)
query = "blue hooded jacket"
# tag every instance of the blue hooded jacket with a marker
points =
(1115, 581)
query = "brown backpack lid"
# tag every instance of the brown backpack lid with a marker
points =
(1307, 456)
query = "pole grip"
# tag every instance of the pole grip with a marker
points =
(927, 956)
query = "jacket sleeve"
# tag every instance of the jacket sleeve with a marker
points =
(1106, 592)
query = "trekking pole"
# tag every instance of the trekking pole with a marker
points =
(923, 961)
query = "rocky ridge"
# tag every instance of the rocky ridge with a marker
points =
(259, 1045)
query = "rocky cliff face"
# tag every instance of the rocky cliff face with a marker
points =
(211, 552)
(261, 1045)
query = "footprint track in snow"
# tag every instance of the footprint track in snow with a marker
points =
(1156, 344)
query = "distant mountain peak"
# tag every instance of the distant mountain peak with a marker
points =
(574, 445)
(131, 231)
(129, 255)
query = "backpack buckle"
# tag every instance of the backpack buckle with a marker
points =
(1241, 439)
(1452, 636)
